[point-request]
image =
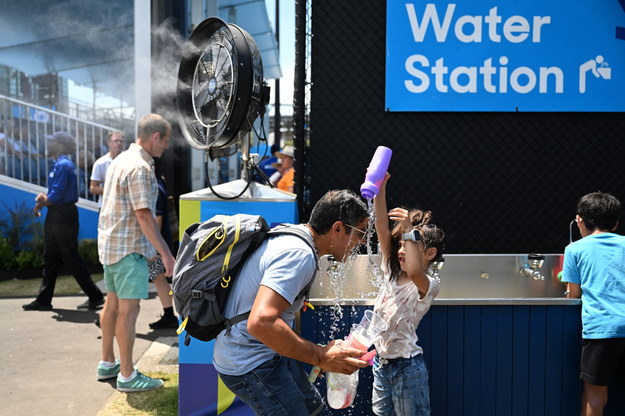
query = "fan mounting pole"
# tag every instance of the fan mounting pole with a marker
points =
(245, 156)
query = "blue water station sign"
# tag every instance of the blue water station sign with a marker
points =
(532, 55)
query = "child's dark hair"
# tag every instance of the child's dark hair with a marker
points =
(599, 210)
(431, 235)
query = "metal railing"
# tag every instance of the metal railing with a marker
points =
(24, 131)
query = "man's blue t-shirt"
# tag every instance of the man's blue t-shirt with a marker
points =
(283, 263)
(62, 181)
(597, 263)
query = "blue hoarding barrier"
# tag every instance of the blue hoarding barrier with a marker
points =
(200, 390)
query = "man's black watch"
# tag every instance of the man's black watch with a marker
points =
(413, 235)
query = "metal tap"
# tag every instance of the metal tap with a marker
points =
(436, 267)
(333, 267)
(532, 268)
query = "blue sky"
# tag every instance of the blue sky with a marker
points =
(287, 50)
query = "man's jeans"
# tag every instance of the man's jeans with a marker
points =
(400, 387)
(279, 386)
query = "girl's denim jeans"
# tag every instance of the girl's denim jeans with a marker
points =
(400, 387)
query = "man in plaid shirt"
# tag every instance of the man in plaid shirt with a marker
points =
(127, 236)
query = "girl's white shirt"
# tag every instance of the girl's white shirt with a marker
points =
(402, 309)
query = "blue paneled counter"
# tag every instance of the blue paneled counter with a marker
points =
(496, 341)
(497, 357)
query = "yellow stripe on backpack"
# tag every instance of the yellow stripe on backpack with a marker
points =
(225, 278)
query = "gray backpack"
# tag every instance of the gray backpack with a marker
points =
(209, 258)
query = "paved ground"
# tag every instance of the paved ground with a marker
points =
(49, 359)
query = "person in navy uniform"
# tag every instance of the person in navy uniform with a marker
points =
(61, 228)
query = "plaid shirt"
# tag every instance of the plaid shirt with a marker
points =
(130, 185)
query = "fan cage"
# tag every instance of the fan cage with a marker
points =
(214, 81)
(228, 117)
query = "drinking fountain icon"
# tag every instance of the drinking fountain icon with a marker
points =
(598, 67)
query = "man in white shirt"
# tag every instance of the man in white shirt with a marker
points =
(98, 173)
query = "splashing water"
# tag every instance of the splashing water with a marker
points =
(337, 273)
(374, 272)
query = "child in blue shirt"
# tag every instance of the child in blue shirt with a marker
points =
(594, 269)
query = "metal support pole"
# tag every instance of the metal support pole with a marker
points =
(299, 104)
(277, 116)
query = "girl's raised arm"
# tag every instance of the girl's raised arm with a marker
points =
(381, 220)
(414, 265)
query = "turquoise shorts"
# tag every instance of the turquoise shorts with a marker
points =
(128, 278)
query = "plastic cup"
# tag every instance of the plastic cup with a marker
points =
(371, 325)
(364, 334)
(358, 339)
(341, 388)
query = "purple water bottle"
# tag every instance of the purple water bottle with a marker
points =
(376, 172)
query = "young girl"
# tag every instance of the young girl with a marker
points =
(400, 377)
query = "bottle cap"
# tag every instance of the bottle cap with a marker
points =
(368, 190)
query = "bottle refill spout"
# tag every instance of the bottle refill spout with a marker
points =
(436, 267)
(532, 268)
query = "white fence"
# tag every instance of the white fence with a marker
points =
(23, 142)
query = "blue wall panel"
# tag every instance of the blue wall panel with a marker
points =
(503, 360)
(616, 398)
(437, 353)
(520, 361)
(571, 352)
(553, 356)
(200, 397)
(274, 212)
(471, 358)
(488, 360)
(13, 198)
(537, 366)
(455, 335)
(455, 379)
(197, 373)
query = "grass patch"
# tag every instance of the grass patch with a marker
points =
(158, 402)
(65, 285)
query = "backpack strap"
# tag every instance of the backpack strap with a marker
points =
(229, 323)
(283, 229)
(289, 229)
